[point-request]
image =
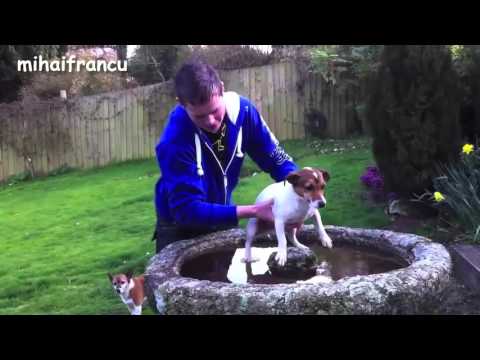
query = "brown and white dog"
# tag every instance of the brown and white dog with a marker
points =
(130, 289)
(295, 200)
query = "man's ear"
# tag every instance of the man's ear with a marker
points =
(293, 177)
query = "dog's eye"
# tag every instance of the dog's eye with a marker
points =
(309, 187)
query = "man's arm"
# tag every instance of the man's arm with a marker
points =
(262, 211)
(186, 197)
(263, 147)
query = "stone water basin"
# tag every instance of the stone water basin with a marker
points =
(371, 272)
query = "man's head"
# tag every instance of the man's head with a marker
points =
(200, 90)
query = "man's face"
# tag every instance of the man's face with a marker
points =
(208, 116)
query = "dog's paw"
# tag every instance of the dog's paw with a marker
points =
(137, 310)
(326, 241)
(281, 257)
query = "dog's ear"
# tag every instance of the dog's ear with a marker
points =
(325, 174)
(129, 274)
(110, 277)
(293, 177)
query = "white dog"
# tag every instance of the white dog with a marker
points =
(295, 200)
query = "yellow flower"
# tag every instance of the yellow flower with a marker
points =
(438, 196)
(467, 148)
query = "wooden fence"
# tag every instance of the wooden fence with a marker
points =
(285, 97)
(113, 127)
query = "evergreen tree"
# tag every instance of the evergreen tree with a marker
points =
(413, 109)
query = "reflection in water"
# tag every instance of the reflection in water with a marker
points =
(351, 261)
(239, 272)
(336, 263)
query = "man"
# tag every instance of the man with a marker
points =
(200, 155)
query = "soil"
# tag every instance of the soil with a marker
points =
(407, 224)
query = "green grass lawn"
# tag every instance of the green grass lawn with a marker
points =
(61, 235)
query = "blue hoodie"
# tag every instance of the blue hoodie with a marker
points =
(194, 190)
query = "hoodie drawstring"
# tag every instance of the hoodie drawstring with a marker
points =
(239, 144)
(198, 151)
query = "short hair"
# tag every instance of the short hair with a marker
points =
(196, 82)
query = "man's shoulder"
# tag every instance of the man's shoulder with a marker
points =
(233, 95)
(178, 129)
(245, 101)
(178, 114)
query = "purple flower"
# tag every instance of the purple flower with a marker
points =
(372, 178)
(378, 183)
(365, 179)
(373, 170)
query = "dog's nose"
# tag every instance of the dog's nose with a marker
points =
(321, 204)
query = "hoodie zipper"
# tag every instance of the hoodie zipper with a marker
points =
(224, 172)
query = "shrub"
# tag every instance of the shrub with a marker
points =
(413, 112)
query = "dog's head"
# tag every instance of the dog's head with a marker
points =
(310, 184)
(120, 281)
